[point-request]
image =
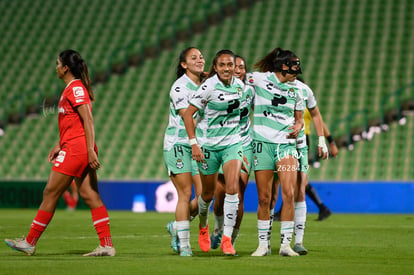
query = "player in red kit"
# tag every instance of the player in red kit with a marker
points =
(75, 157)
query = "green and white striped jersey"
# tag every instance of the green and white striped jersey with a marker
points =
(245, 107)
(274, 107)
(220, 107)
(181, 92)
(309, 101)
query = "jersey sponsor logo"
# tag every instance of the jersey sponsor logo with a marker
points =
(78, 92)
(269, 114)
(278, 99)
(177, 89)
(60, 158)
(228, 123)
(179, 100)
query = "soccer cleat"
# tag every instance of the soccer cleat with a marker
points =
(186, 252)
(286, 250)
(261, 251)
(300, 249)
(101, 251)
(175, 242)
(204, 239)
(227, 247)
(22, 245)
(324, 213)
(216, 239)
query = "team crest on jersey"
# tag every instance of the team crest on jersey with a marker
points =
(60, 158)
(179, 164)
(240, 92)
(255, 161)
(291, 93)
(204, 165)
(250, 80)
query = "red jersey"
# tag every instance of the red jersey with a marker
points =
(70, 123)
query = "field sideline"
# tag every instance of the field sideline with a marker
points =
(343, 244)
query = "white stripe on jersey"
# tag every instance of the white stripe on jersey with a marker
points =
(220, 105)
(180, 93)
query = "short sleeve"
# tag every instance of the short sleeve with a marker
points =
(299, 103)
(199, 98)
(179, 97)
(311, 102)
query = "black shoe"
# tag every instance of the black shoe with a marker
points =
(276, 216)
(324, 213)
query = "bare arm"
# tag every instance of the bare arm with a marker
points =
(297, 126)
(87, 119)
(317, 121)
(332, 144)
(190, 128)
(54, 153)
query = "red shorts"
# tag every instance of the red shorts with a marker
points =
(72, 160)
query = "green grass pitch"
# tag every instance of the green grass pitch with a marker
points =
(343, 244)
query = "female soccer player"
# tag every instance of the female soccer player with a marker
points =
(246, 102)
(182, 169)
(278, 110)
(74, 157)
(218, 142)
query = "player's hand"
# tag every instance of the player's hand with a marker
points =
(322, 148)
(295, 131)
(93, 160)
(245, 164)
(53, 154)
(334, 149)
(197, 153)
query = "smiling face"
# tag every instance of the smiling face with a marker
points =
(194, 62)
(225, 68)
(240, 69)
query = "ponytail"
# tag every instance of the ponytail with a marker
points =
(273, 61)
(78, 68)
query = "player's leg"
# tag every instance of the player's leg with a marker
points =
(218, 204)
(204, 201)
(88, 190)
(244, 178)
(324, 211)
(231, 170)
(183, 185)
(56, 185)
(264, 181)
(287, 173)
(197, 189)
(300, 214)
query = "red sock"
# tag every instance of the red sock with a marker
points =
(74, 203)
(39, 225)
(68, 198)
(100, 220)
